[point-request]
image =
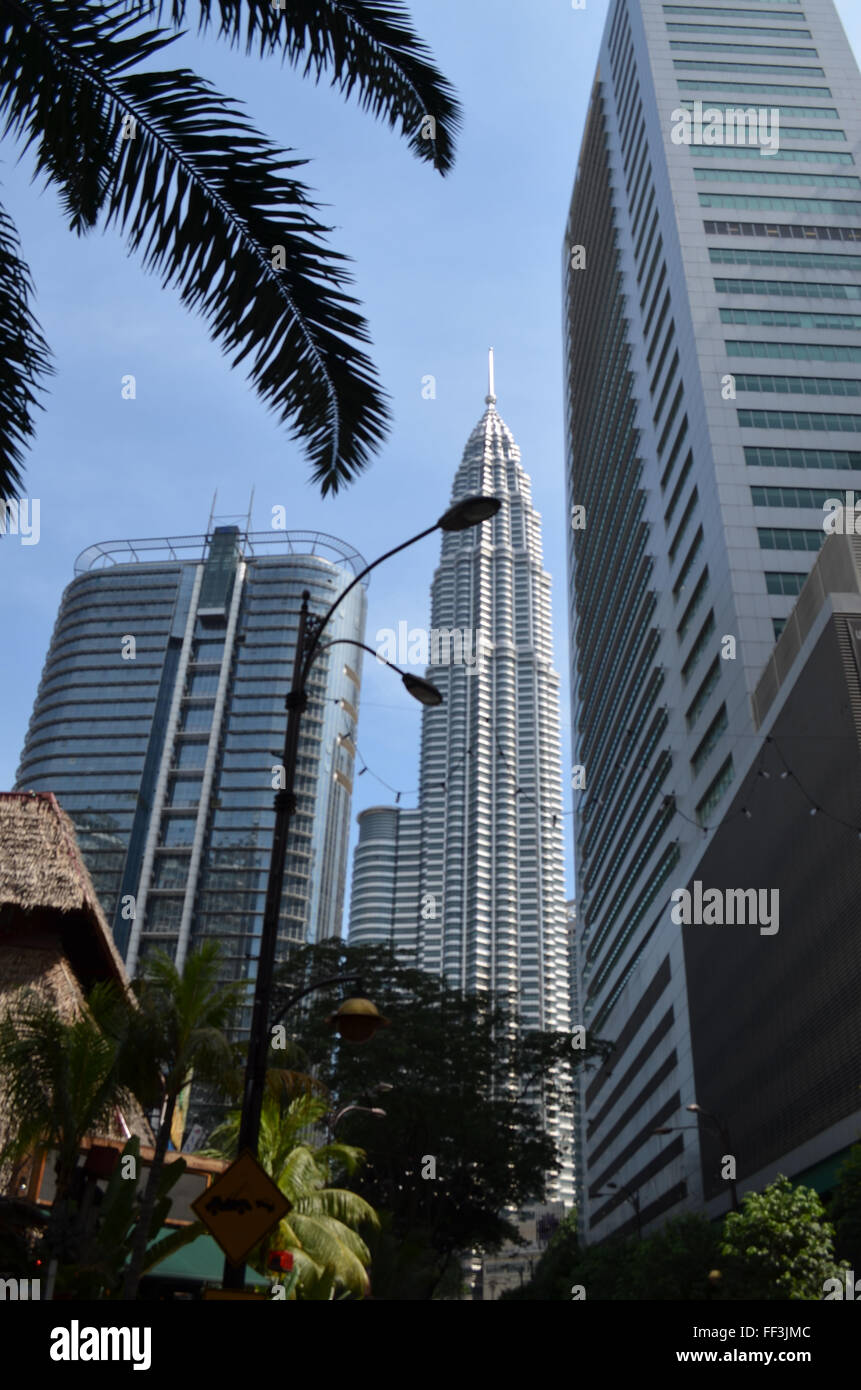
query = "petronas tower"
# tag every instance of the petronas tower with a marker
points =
(470, 884)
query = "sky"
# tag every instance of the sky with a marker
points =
(444, 269)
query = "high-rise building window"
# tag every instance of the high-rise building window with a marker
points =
(716, 791)
(789, 538)
(784, 584)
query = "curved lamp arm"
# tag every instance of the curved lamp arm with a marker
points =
(469, 511)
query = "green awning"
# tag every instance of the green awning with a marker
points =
(203, 1260)
(823, 1176)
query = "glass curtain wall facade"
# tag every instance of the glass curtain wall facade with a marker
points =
(714, 296)
(159, 724)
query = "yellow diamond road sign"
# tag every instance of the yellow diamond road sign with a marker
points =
(241, 1207)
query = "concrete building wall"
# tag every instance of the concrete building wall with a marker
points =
(704, 481)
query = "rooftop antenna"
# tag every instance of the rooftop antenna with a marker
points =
(490, 398)
(250, 509)
(212, 512)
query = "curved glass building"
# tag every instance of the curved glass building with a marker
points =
(159, 725)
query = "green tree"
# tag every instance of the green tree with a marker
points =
(779, 1246)
(321, 1227)
(177, 1032)
(462, 1140)
(674, 1263)
(60, 1080)
(211, 205)
(608, 1271)
(845, 1210)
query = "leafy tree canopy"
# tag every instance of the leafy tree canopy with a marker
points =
(671, 1265)
(462, 1140)
(779, 1246)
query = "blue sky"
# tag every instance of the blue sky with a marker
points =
(443, 267)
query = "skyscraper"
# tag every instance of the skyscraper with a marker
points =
(470, 885)
(711, 272)
(159, 724)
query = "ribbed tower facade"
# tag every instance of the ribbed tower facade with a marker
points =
(470, 885)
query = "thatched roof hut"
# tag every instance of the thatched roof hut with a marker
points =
(42, 871)
(54, 937)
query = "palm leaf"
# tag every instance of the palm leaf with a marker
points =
(328, 1253)
(24, 360)
(338, 1155)
(206, 200)
(300, 1173)
(354, 1243)
(313, 1281)
(342, 1233)
(369, 48)
(339, 1203)
(320, 1239)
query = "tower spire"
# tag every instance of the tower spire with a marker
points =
(490, 398)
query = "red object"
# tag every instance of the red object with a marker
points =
(101, 1161)
(280, 1260)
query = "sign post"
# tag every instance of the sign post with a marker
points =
(241, 1207)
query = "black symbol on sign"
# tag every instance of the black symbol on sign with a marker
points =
(237, 1204)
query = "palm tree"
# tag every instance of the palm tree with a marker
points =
(320, 1228)
(60, 1081)
(176, 1032)
(212, 206)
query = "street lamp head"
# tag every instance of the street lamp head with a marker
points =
(665, 1129)
(422, 690)
(469, 511)
(694, 1107)
(357, 1020)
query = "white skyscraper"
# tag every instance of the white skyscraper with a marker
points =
(470, 885)
(712, 342)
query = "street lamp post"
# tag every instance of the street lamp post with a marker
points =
(470, 511)
(381, 1088)
(720, 1127)
(375, 1110)
(631, 1195)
